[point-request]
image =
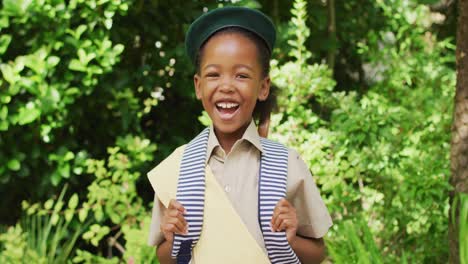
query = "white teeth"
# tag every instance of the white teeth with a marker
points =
(227, 105)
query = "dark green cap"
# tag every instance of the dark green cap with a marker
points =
(211, 22)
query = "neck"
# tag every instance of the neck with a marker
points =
(227, 140)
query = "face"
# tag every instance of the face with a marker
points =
(229, 82)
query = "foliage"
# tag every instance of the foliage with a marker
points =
(48, 75)
(78, 100)
(112, 199)
(52, 58)
(461, 201)
(87, 257)
(367, 153)
(14, 247)
(94, 93)
(45, 235)
(136, 248)
(356, 245)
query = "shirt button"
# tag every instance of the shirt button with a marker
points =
(227, 188)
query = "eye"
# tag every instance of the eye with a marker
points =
(212, 75)
(243, 76)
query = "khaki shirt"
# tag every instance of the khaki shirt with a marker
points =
(238, 172)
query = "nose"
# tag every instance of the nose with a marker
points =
(226, 85)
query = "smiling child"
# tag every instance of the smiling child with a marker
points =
(231, 196)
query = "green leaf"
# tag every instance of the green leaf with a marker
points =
(65, 170)
(104, 230)
(95, 241)
(36, 61)
(119, 48)
(54, 220)
(82, 57)
(204, 119)
(78, 170)
(4, 125)
(48, 204)
(69, 156)
(95, 69)
(109, 14)
(115, 216)
(76, 65)
(52, 61)
(5, 99)
(55, 178)
(99, 214)
(8, 74)
(4, 43)
(80, 30)
(83, 213)
(16, 7)
(58, 206)
(14, 165)
(73, 202)
(68, 215)
(95, 228)
(4, 22)
(88, 235)
(72, 91)
(4, 112)
(108, 23)
(18, 66)
(28, 114)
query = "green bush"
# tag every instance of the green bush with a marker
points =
(383, 154)
(45, 234)
(94, 93)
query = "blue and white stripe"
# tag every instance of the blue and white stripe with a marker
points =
(272, 187)
(191, 194)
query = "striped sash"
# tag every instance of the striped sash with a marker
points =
(191, 194)
(272, 187)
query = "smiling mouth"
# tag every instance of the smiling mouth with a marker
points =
(227, 110)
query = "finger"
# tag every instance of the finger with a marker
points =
(285, 224)
(173, 216)
(179, 224)
(179, 227)
(281, 210)
(174, 213)
(168, 235)
(283, 203)
(277, 211)
(170, 229)
(283, 206)
(173, 204)
(277, 222)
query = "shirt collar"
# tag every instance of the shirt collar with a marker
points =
(250, 135)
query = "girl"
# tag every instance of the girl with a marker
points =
(231, 196)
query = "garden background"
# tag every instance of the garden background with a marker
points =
(94, 93)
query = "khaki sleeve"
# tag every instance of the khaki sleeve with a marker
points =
(155, 235)
(313, 217)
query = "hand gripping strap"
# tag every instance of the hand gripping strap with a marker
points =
(191, 194)
(272, 187)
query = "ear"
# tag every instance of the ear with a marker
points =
(264, 89)
(196, 83)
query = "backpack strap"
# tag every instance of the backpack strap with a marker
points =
(272, 187)
(191, 194)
